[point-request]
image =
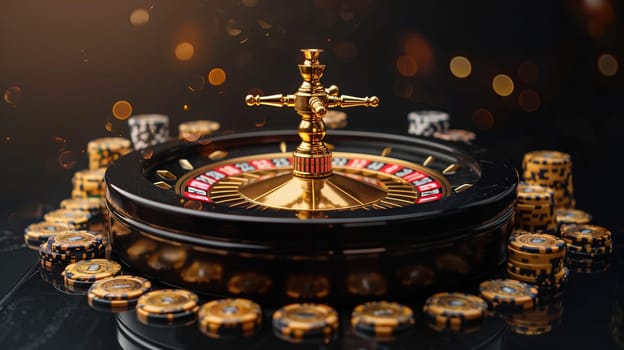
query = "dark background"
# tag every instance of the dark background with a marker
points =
(64, 63)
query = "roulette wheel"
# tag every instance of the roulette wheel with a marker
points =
(312, 214)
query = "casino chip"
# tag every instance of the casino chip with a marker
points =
(307, 286)
(535, 209)
(37, 233)
(426, 123)
(454, 311)
(305, 322)
(194, 129)
(88, 183)
(456, 135)
(104, 151)
(167, 307)
(589, 247)
(335, 119)
(381, 320)
(75, 219)
(551, 169)
(69, 247)
(537, 243)
(84, 273)
(117, 293)
(148, 130)
(508, 294)
(229, 317)
(572, 216)
(366, 283)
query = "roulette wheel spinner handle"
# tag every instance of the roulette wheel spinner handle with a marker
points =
(318, 187)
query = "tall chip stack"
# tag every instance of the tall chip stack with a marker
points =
(535, 209)
(148, 130)
(88, 183)
(551, 169)
(538, 259)
(103, 151)
(589, 247)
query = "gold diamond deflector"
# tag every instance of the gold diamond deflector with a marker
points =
(332, 193)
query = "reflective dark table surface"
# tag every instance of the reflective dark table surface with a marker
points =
(37, 313)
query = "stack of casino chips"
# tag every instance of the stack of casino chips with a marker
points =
(81, 275)
(589, 247)
(96, 208)
(194, 129)
(148, 130)
(229, 317)
(305, 322)
(37, 233)
(570, 216)
(550, 169)
(455, 312)
(69, 247)
(89, 183)
(538, 259)
(508, 296)
(103, 151)
(117, 293)
(427, 122)
(167, 307)
(382, 320)
(535, 209)
(75, 219)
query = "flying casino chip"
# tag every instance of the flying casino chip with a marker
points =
(382, 320)
(229, 317)
(117, 293)
(509, 294)
(171, 307)
(454, 311)
(306, 321)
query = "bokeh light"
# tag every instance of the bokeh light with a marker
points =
(460, 67)
(216, 76)
(607, 65)
(7, 138)
(416, 46)
(529, 100)
(184, 51)
(13, 95)
(186, 108)
(197, 84)
(502, 85)
(67, 159)
(483, 119)
(122, 110)
(139, 17)
(406, 66)
(528, 72)
(232, 27)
